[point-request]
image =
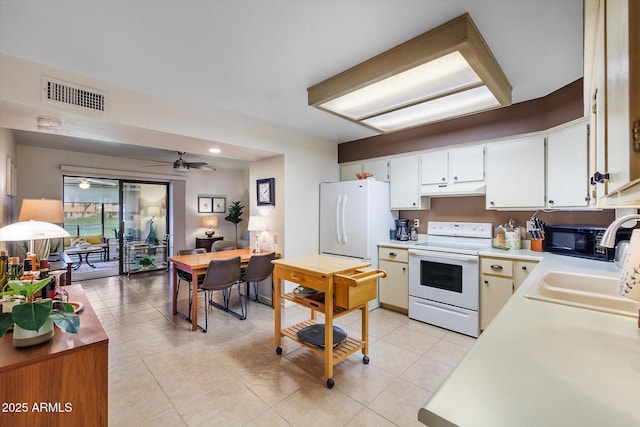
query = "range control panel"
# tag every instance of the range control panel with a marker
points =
(460, 229)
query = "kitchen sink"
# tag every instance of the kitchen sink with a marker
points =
(590, 292)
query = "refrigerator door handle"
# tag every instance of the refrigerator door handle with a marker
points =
(338, 224)
(344, 230)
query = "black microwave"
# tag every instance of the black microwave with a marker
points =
(581, 241)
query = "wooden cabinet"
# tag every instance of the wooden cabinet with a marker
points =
(206, 242)
(567, 166)
(394, 289)
(68, 374)
(515, 173)
(404, 178)
(464, 164)
(499, 278)
(612, 90)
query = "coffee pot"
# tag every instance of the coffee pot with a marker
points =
(402, 229)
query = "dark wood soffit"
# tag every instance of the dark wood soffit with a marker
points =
(558, 107)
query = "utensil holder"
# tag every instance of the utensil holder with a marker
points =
(536, 245)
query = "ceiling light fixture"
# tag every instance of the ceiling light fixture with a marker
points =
(444, 73)
(215, 150)
(84, 184)
(48, 123)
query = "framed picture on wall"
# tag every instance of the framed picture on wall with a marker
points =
(205, 204)
(10, 177)
(219, 205)
(266, 192)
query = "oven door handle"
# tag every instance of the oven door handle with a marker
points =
(443, 255)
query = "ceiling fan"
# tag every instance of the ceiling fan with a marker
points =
(182, 166)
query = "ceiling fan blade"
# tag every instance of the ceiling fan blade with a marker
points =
(196, 165)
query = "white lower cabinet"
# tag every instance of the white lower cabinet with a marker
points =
(394, 289)
(499, 279)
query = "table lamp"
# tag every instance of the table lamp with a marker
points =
(256, 223)
(209, 221)
(36, 221)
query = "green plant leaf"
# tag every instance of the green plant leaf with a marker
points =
(31, 316)
(68, 322)
(6, 322)
(26, 288)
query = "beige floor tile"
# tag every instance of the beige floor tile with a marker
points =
(427, 373)
(411, 340)
(463, 340)
(361, 382)
(368, 418)
(269, 418)
(400, 402)
(167, 419)
(447, 352)
(138, 404)
(276, 381)
(391, 358)
(316, 405)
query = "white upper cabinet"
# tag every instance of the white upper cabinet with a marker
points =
(447, 172)
(379, 168)
(567, 166)
(404, 187)
(516, 173)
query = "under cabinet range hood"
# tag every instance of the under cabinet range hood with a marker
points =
(471, 188)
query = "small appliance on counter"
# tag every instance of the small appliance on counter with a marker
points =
(402, 229)
(582, 241)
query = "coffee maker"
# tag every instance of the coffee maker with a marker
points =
(402, 229)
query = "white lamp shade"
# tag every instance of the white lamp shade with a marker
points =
(256, 223)
(629, 285)
(31, 230)
(153, 210)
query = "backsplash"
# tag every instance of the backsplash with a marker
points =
(473, 209)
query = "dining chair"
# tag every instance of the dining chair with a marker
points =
(259, 268)
(222, 245)
(221, 276)
(183, 275)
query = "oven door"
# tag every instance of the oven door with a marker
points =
(448, 278)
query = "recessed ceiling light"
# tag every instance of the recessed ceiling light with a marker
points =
(48, 123)
(215, 150)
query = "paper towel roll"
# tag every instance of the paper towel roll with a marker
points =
(629, 285)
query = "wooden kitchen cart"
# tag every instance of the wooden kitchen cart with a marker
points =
(344, 285)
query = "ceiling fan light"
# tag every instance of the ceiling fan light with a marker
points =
(84, 184)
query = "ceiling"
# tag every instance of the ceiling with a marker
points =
(256, 59)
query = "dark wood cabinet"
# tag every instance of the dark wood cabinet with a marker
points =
(206, 242)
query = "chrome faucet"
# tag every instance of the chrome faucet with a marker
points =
(609, 236)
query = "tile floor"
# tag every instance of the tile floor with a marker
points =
(162, 374)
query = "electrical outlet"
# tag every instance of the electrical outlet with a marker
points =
(416, 223)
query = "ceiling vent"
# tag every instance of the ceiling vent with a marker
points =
(59, 92)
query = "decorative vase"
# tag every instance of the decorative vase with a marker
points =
(25, 338)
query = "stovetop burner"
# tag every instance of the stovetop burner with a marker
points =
(457, 237)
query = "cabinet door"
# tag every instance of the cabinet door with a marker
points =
(434, 167)
(379, 169)
(516, 173)
(567, 167)
(494, 294)
(348, 172)
(466, 164)
(522, 271)
(404, 174)
(394, 289)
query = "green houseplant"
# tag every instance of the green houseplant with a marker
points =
(146, 262)
(33, 319)
(234, 215)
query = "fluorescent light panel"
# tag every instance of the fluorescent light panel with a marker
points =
(444, 73)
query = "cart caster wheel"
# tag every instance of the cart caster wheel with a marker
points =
(330, 383)
(365, 360)
(278, 350)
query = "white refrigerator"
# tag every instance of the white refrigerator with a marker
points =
(354, 218)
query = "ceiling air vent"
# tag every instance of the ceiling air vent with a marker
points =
(60, 92)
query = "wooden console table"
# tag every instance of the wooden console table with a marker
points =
(206, 242)
(63, 382)
(345, 285)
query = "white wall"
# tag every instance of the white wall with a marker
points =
(7, 150)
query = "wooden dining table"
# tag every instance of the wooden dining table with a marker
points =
(196, 265)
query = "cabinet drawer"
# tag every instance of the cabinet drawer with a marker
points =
(496, 266)
(393, 254)
(303, 279)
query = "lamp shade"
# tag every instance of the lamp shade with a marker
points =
(153, 210)
(256, 223)
(31, 230)
(44, 210)
(209, 221)
(629, 285)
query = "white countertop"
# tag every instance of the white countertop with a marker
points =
(545, 364)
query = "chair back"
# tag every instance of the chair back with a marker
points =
(183, 274)
(260, 267)
(221, 245)
(222, 274)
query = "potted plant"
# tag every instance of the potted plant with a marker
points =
(234, 216)
(33, 319)
(146, 262)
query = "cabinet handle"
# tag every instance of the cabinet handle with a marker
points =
(455, 178)
(496, 267)
(301, 279)
(404, 268)
(599, 178)
(491, 203)
(486, 282)
(550, 202)
(393, 254)
(524, 267)
(443, 179)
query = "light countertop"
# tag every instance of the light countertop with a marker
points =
(540, 363)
